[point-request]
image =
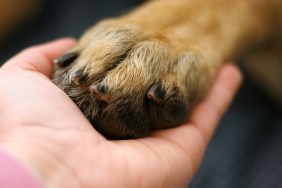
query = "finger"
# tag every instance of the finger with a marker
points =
(192, 138)
(40, 58)
(206, 115)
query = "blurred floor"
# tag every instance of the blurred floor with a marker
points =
(246, 150)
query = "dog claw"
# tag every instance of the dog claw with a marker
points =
(156, 93)
(78, 78)
(100, 91)
(65, 59)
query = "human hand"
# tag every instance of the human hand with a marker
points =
(43, 128)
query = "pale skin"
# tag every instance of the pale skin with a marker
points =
(43, 129)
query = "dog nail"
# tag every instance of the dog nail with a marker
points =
(100, 91)
(79, 78)
(66, 59)
(156, 93)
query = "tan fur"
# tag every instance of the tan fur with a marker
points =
(175, 46)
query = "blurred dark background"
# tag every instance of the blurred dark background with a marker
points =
(59, 19)
(246, 150)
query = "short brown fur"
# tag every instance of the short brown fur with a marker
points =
(176, 46)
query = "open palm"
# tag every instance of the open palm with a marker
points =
(44, 129)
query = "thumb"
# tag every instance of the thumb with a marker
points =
(39, 58)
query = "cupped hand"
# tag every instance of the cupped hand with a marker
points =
(43, 128)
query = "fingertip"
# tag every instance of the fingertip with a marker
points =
(61, 43)
(230, 75)
(55, 48)
(208, 112)
(39, 58)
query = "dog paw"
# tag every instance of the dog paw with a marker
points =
(128, 81)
